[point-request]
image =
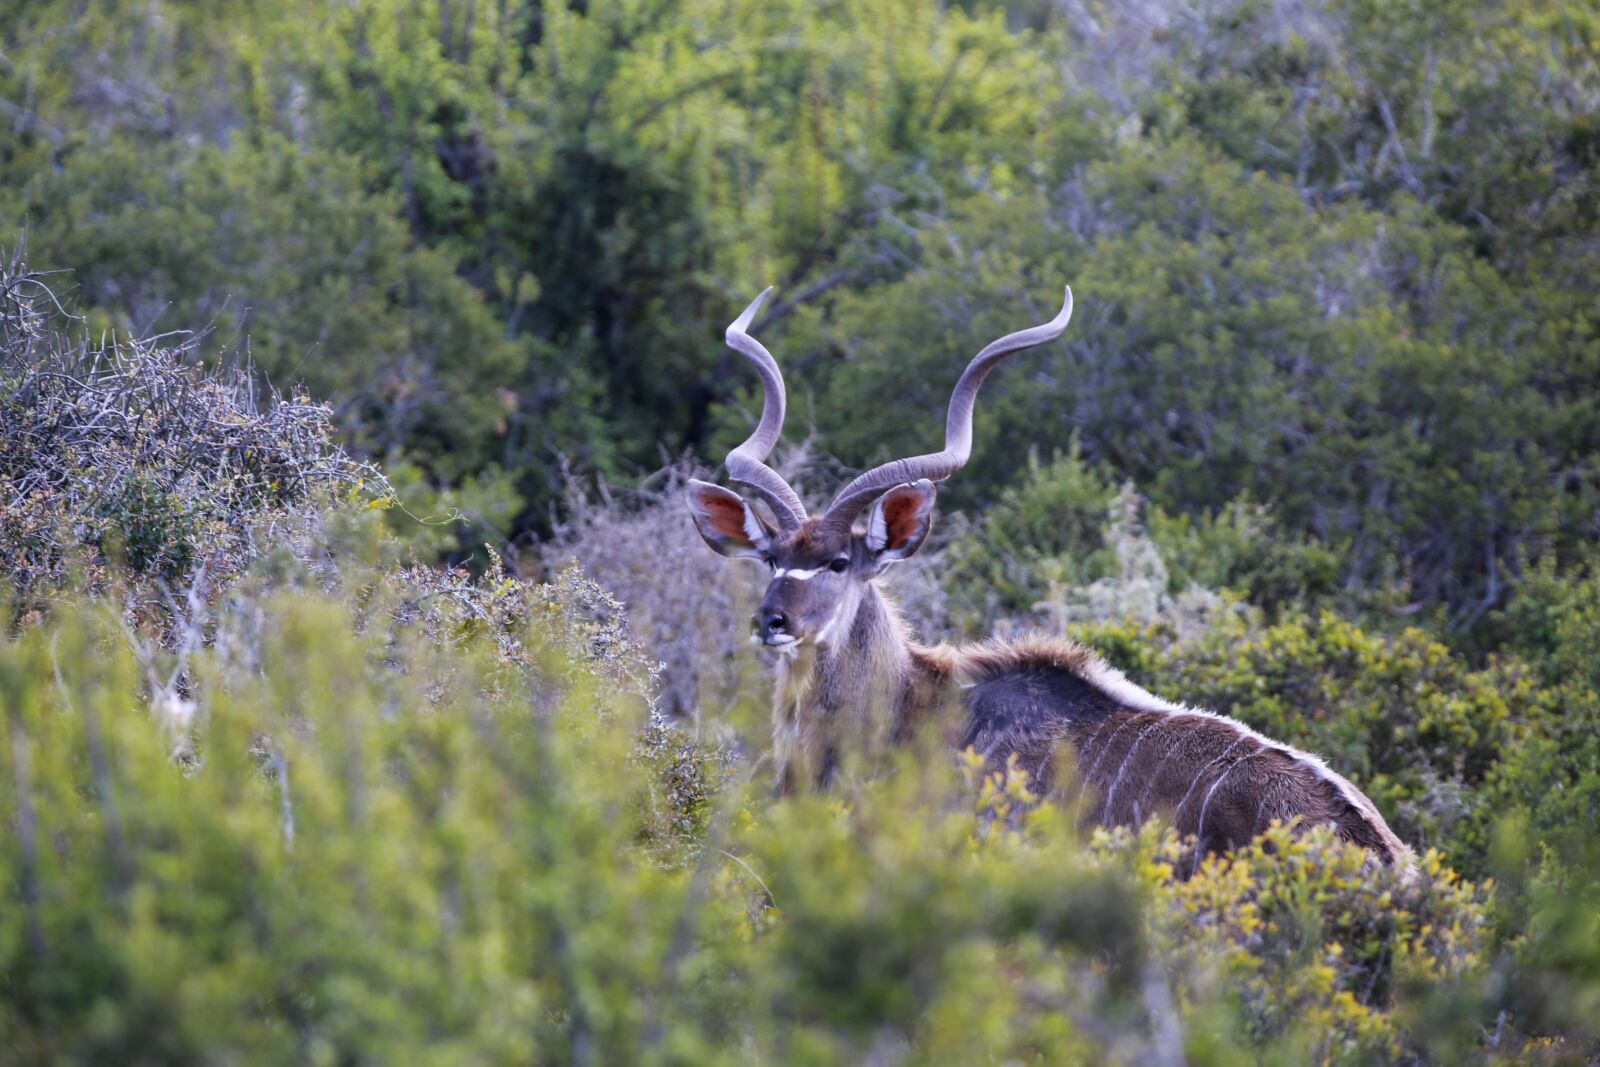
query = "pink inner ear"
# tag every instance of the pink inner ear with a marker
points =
(725, 517)
(902, 515)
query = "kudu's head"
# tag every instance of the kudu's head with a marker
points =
(821, 564)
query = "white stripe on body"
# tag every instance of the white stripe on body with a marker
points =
(1115, 684)
(1200, 827)
(1201, 773)
(1099, 757)
(1111, 794)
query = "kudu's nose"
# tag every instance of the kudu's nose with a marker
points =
(769, 624)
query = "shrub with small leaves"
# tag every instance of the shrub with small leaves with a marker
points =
(1069, 544)
(1316, 942)
(462, 860)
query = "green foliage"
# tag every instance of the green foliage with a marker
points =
(1305, 243)
(601, 177)
(1555, 783)
(282, 901)
(299, 271)
(384, 846)
(150, 527)
(1231, 341)
(1068, 526)
(1245, 549)
(1313, 945)
(1552, 916)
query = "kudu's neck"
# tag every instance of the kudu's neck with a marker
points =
(852, 692)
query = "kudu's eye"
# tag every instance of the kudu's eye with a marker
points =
(840, 565)
(771, 562)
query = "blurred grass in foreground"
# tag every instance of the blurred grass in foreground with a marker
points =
(382, 848)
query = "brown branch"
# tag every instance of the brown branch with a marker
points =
(781, 308)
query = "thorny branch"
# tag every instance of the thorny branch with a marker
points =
(134, 446)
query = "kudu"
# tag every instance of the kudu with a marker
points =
(851, 678)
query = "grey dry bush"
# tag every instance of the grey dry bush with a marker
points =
(1139, 590)
(130, 450)
(190, 497)
(688, 607)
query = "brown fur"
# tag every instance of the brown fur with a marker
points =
(1136, 756)
(813, 541)
(989, 658)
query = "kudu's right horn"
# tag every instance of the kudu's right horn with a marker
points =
(937, 466)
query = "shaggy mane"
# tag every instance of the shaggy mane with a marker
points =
(974, 663)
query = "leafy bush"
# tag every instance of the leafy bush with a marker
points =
(1049, 529)
(306, 278)
(1316, 946)
(1553, 784)
(469, 859)
(337, 876)
(1070, 545)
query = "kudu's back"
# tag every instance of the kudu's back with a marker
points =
(1136, 755)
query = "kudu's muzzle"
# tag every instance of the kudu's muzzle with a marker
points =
(770, 624)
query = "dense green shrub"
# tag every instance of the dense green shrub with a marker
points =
(1554, 783)
(1332, 260)
(303, 276)
(461, 859)
(1068, 525)
(1314, 945)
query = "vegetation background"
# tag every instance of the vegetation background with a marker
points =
(289, 774)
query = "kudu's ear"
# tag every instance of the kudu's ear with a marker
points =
(900, 521)
(727, 522)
